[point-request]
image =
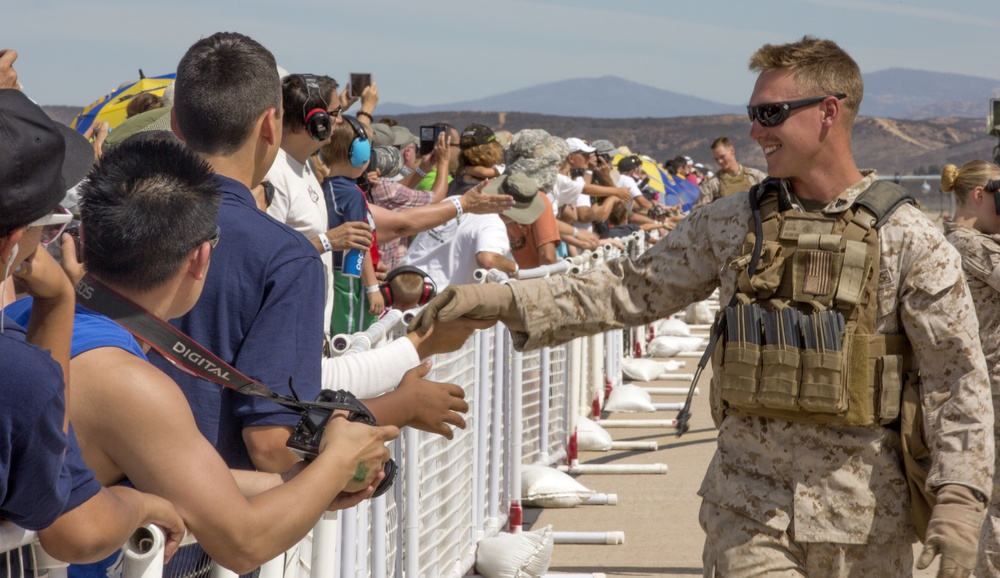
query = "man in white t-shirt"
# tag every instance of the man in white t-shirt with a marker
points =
(298, 198)
(451, 253)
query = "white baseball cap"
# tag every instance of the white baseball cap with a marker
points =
(579, 145)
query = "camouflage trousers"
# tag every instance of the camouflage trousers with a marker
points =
(738, 547)
(988, 562)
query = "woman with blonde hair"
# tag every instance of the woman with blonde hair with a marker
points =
(975, 232)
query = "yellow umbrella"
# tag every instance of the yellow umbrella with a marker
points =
(111, 107)
(672, 191)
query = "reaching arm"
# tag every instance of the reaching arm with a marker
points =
(152, 438)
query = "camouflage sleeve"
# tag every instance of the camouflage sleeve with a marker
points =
(681, 269)
(938, 316)
(980, 256)
(709, 190)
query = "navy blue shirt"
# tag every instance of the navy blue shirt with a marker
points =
(261, 311)
(345, 203)
(42, 474)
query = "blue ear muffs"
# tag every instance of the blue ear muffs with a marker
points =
(361, 147)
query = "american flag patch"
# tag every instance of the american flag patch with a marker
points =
(818, 272)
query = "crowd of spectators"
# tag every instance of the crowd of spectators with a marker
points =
(230, 208)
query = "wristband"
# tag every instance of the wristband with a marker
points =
(363, 113)
(420, 172)
(371, 289)
(325, 242)
(458, 205)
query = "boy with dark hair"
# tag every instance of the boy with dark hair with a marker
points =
(259, 310)
(149, 216)
(44, 483)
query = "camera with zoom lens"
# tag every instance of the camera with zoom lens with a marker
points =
(305, 440)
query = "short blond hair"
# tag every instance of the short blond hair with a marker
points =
(820, 67)
(962, 181)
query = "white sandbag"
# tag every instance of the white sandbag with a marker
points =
(642, 369)
(629, 398)
(698, 314)
(671, 345)
(523, 555)
(591, 437)
(545, 487)
(673, 326)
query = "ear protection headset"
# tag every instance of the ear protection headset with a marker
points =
(361, 147)
(428, 292)
(317, 120)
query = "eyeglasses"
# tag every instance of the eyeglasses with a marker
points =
(212, 240)
(335, 113)
(53, 224)
(774, 113)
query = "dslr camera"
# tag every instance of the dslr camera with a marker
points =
(305, 440)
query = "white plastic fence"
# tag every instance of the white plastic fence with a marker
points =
(448, 495)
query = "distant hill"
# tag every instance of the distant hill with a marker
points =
(605, 97)
(893, 93)
(919, 94)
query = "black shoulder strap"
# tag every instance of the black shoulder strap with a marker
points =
(882, 199)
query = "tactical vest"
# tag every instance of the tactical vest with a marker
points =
(730, 184)
(800, 341)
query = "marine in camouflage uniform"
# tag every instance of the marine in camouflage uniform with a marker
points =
(970, 231)
(981, 263)
(788, 498)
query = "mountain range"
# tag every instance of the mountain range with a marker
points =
(894, 93)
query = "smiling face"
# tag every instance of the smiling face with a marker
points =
(791, 147)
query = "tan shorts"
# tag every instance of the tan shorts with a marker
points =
(738, 547)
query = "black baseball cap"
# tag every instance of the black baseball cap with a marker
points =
(39, 160)
(475, 135)
(629, 163)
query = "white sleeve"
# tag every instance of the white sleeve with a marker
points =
(281, 202)
(631, 185)
(492, 236)
(371, 373)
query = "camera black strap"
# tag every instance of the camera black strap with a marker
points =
(176, 347)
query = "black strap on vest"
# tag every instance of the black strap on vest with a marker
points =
(881, 198)
(720, 322)
(176, 347)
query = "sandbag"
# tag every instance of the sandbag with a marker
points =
(628, 398)
(545, 487)
(591, 437)
(522, 555)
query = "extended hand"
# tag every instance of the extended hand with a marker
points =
(446, 336)
(476, 203)
(953, 532)
(434, 405)
(488, 301)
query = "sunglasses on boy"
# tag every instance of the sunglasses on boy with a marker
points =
(772, 114)
(53, 224)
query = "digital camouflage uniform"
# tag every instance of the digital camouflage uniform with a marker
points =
(820, 484)
(711, 189)
(981, 263)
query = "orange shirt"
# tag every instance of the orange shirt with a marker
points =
(526, 239)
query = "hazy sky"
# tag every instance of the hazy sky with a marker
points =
(439, 51)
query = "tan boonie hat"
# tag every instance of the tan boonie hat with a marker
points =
(528, 204)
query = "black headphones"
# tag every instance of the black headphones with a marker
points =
(361, 148)
(428, 293)
(317, 121)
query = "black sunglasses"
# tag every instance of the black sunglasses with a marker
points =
(774, 113)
